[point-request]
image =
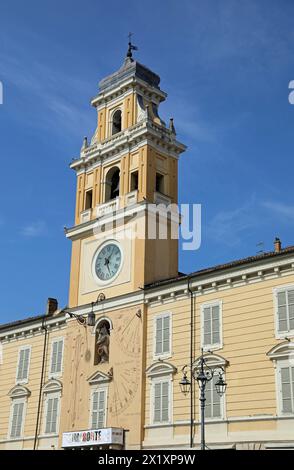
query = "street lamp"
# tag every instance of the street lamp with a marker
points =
(203, 373)
(88, 320)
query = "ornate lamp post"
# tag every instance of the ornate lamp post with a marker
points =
(203, 373)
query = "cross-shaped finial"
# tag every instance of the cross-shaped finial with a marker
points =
(130, 37)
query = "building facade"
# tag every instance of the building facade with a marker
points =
(104, 372)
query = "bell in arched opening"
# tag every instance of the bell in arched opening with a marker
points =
(112, 184)
(116, 122)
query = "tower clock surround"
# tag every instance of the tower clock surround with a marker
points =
(107, 262)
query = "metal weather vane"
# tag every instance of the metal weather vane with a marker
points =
(131, 47)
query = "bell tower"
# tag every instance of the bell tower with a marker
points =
(129, 166)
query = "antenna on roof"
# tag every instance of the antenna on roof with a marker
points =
(261, 246)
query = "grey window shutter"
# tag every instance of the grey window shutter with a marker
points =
(23, 364)
(98, 409)
(54, 357)
(164, 402)
(158, 336)
(166, 334)
(17, 417)
(291, 308)
(215, 324)
(49, 415)
(101, 409)
(54, 415)
(207, 326)
(287, 398)
(95, 410)
(282, 311)
(56, 360)
(157, 403)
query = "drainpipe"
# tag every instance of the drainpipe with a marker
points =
(41, 382)
(52, 306)
(191, 364)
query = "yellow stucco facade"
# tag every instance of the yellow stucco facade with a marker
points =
(64, 382)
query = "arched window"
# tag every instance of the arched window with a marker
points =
(112, 184)
(102, 341)
(116, 122)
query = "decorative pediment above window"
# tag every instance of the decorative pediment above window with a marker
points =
(100, 377)
(282, 351)
(53, 385)
(214, 360)
(19, 391)
(160, 368)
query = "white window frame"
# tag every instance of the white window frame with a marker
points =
(277, 290)
(16, 401)
(216, 346)
(52, 395)
(56, 374)
(25, 380)
(279, 365)
(167, 354)
(155, 380)
(104, 388)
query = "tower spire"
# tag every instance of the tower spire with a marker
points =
(131, 48)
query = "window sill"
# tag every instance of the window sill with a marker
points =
(285, 334)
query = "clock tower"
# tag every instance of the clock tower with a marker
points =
(127, 169)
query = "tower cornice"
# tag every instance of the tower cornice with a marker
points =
(146, 132)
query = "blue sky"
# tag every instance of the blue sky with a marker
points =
(226, 66)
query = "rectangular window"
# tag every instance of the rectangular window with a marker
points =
(213, 405)
(56, 357)
(134, 181)
(17, 419)
(159, 185)
(163, 335)
(287, 389)
(285, 310)
(211, 325)
(23, 364)
(161, 410)
(89, 200)
(98, 409)
(51, 414)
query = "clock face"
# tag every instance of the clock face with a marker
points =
(108, 262)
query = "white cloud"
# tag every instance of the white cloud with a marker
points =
(35, 229)
(228, 227)
(280, 209)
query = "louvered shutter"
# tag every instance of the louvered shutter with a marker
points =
(282, 311)
(158, 336)
(207, 326)
(56, 358)
(51, 417)
(17, 418)
(291, 308)
(161, 402)
(164, 402)
(23, 364)
(162, 334)
(98, 409)
(287, 389)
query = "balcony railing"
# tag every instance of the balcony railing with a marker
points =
(107, 207)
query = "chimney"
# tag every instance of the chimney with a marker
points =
(52, 306)
(277, 245)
